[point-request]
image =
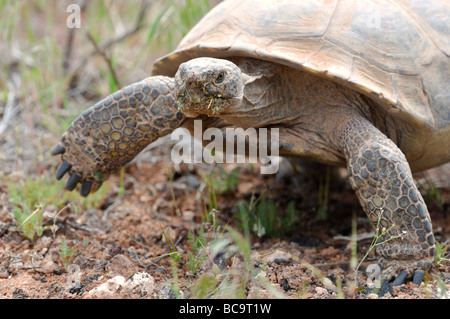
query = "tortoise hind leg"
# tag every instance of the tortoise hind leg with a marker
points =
(380, 175)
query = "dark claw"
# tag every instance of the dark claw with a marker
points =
(418, 276)
(401, 278)
(72, 181)
(58, 149)
(86, 188)
(62, 169)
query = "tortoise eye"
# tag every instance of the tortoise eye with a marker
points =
(220, 77)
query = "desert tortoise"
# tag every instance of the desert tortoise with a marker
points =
(357, 83)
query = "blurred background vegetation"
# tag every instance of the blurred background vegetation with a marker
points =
(50, 73)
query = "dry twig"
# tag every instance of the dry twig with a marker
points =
(102, 48)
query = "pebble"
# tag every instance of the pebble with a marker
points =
(166, 293)
(328, 283)
(108, 288)
(320, 291)
(278, 257)
(3, 272)
(140, 283)
(119, 264)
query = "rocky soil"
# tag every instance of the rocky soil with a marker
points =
(122, 247)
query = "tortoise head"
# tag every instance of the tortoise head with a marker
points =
(208, 86)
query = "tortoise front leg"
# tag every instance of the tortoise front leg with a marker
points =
(382, 179)
(112, 132)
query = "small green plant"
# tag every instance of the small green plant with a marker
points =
(66, 254)
(223, 182)
(196, 245)
(122, 183)
(324, 187)
(177, 210)
(217, 184)
(29, 224)
(379, 238)
(382, 236)
(233, 282)
(174, 286)
(32, 195)
(205, 285)
(439, 258)
(173, 252)
(93, 200)
(29, 198)
(431, 192)
(208, 235)
(262, 217)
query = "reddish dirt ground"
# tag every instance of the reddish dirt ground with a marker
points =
(122, 249)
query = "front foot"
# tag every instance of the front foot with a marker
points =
(391, 273)
(80, 167)
(112, 132)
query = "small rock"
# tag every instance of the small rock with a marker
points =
(278, 257)
(188, 215)
(328, 283)
(166, 293)
(386, 288)
(77, 288)
(107, 289)
(280, 261)
(120, 264)
(47, 265)
(140, 283)
(220, 260)
(372, 296)
(305, 241)
(320, 291)
(94, 221)
(170, 234)
(114, 250)
(19, 293)
(3, 272)
(285, 285)
(191, 181)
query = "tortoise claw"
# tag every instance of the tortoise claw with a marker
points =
(58, 149)
(86, 188)
(401, 278)
(418, 276)
(63, 169)
(72, 181)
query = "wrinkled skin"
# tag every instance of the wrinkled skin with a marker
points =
(256, 93)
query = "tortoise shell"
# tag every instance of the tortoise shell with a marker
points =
(395, 52)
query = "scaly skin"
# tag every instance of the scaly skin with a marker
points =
(112, 132)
